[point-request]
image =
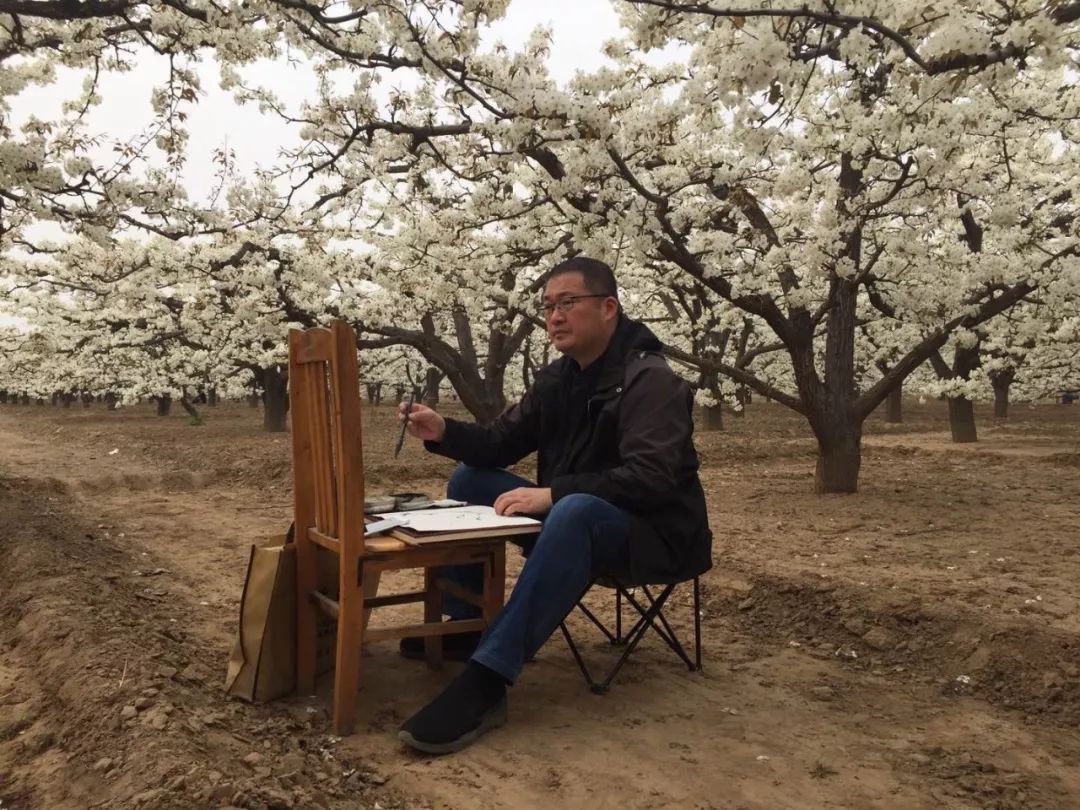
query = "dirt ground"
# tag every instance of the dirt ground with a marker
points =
(914, 646)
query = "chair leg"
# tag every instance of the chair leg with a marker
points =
(433, 645)
(307, 614)
(494, 583)
(633, 640)
(648, 617)
(349, 637)
(669, 636)
(613, 638)
(664, 629)
(618, 617)
(697, 623)
(577, 656)
(370, 583)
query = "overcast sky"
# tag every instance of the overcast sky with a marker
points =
(579, 28)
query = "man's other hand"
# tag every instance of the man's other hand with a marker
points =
(424, 423)
(524, 501)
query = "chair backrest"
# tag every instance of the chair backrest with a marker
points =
(328, 460)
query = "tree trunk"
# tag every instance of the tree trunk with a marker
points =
(67, 399)
(164, 404)
(432, 378)
(1002, 381)
(962, 420)
(374, 392)
(1001, 401)
(399, 392)
(25, 399)
(275, 385)
(211, 398)
(3, 397)
(111, 401)
(839, 459)
(894, 406)
(742, 394)
(185, 403)
(712, 418)
(838, 429)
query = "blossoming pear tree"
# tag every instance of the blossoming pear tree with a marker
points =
(811, 169)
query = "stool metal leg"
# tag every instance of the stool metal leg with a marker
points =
(697, 623)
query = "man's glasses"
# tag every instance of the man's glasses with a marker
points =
(566, 304)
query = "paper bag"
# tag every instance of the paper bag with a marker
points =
(262, 665)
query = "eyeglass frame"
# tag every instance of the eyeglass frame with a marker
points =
(566, 303)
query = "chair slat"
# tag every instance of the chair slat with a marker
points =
(313, 345)
(303, 515)
(425, 630)
(323, 458)
(348, 439)
(464, 594)
(406, 598)
(324, 540)
(329, 606)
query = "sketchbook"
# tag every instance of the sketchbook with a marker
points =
(462, 522)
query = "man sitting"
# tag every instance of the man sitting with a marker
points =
(618, 489)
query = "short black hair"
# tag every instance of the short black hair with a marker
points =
(599, 278)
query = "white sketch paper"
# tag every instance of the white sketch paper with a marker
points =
(458, 519)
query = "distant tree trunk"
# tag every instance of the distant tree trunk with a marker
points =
(3, 397)
(67, 398)
(894, 406)
(742, 396)
(961, 409)
(1002, 381)
(164, 404)
(962, 420)
(111, 400)
(211, 397)
(962, 413)
(374, 392)
(41, 401)
(25, 399)
(275, 385)
(185, 403)
(712, 418)
(255, 397)
(432, 378)
(55, 399)
(399, 392)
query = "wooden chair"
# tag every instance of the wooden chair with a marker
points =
(328, 471)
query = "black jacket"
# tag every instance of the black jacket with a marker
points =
(633, 448)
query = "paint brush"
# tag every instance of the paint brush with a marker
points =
(404, 424)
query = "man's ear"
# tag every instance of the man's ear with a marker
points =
(611, 308)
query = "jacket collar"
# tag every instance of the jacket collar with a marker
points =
(630, 336)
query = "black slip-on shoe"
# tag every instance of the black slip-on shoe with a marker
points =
(456, 646)
(413, 736)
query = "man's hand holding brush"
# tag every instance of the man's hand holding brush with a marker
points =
(423, 422)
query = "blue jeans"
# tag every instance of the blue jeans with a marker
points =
(583, 537)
